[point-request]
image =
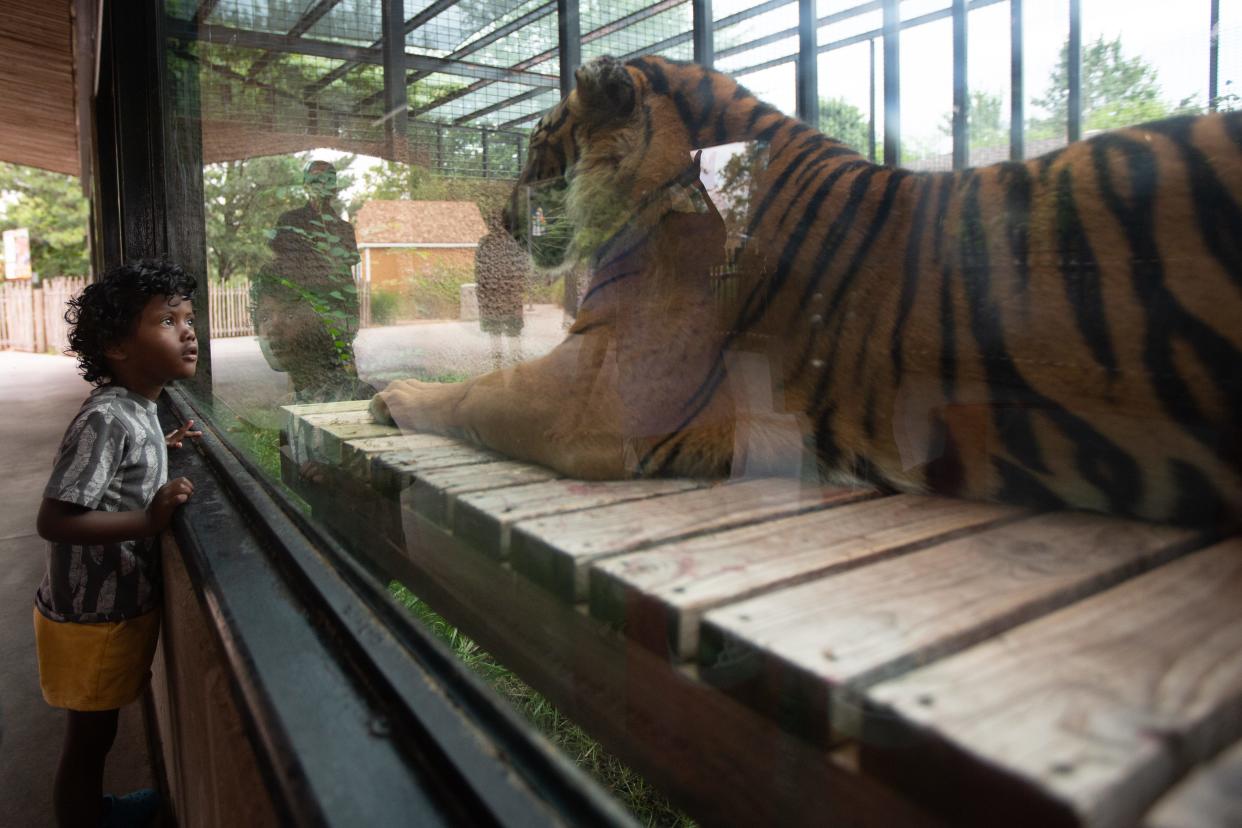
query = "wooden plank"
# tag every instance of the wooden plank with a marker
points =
(659, 596)
(1210, 798)
(1083, 717)
(292, 414)
(722, 762)
(485, 518)
(328, 440)
(305, 427)
(556, 551)
(302, 409)
(801, 653)
(434, 492)
(393, 472)
(359, 453)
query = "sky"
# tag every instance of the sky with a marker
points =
(1172, 37)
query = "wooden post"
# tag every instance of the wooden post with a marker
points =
(40, 325)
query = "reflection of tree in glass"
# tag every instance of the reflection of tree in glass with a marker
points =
(51, 206)
(987, 126)
(1117, 91)
(838, 119)
(242, 199)
(735, 184)
(845, 122)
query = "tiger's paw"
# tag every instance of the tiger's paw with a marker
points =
(419, 406)
(379, 410)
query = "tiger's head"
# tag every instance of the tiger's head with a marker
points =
(595, 159)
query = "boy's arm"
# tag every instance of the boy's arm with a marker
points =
(62, 522)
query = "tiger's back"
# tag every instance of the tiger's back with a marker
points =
(1063, 331)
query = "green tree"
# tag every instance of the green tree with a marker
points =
(845, 122)
(243, 201)
(987, 126)
(1117, 91)
(391, 180)
(51, 206)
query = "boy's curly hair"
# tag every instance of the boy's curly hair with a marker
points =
(107, 311)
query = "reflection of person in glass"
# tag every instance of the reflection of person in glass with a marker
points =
(501, 272)
(306, 302)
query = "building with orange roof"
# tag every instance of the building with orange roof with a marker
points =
(421, 252)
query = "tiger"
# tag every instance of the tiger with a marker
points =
(1061, 332)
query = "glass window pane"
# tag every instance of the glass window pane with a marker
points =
(356, 246)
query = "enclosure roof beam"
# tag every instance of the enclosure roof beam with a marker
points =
(359, 54)
(530, 17)
(487, 110)
(861, 37)
(595, 34)
(410, 25)
(667, 43)
(308, 19)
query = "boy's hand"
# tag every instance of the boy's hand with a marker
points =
(173, 438)
(171, 495)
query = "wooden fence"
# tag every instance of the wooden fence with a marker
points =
(56, 293)
(33, 318)
(230, 307)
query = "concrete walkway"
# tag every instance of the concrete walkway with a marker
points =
(38, 397)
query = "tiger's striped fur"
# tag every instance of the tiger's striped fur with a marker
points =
(1060, 332)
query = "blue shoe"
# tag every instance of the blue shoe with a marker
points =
(133, 810)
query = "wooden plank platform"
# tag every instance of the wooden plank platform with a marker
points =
(775, 652)
(1210, 798)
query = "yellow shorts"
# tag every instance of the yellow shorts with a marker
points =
(95, 666)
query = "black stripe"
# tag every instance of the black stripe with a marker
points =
(1017, 183)
(722, 127)
(762, 294)
(1022, 488)
(1009, 391)
(1080, 273)
(1233, 127)
(611, 280)
(944, 474)
(705, 97)
(948, 338)
(648, 467)
(774, 191)
(826, 448)
(1218, 215)
(654, 73)
(829, 245)
(1046, 161)
(1166, 319)
(1098, 460)
(941, 216)
(864, 468)
(686, 113)
(909, 285)
(1199, 503)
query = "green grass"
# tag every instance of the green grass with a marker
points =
(646, 804)
(262, 445)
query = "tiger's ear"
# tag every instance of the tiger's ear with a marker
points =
(605, 90)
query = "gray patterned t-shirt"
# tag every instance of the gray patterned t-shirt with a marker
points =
(112, 458)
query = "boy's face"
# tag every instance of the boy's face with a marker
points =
(163, 346)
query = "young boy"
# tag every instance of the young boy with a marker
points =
(96, 613)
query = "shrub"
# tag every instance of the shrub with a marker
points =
(383, 308)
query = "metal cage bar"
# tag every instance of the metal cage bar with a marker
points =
(1017, 93)
(808, 66)
(1073, 124)
(961, 91)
